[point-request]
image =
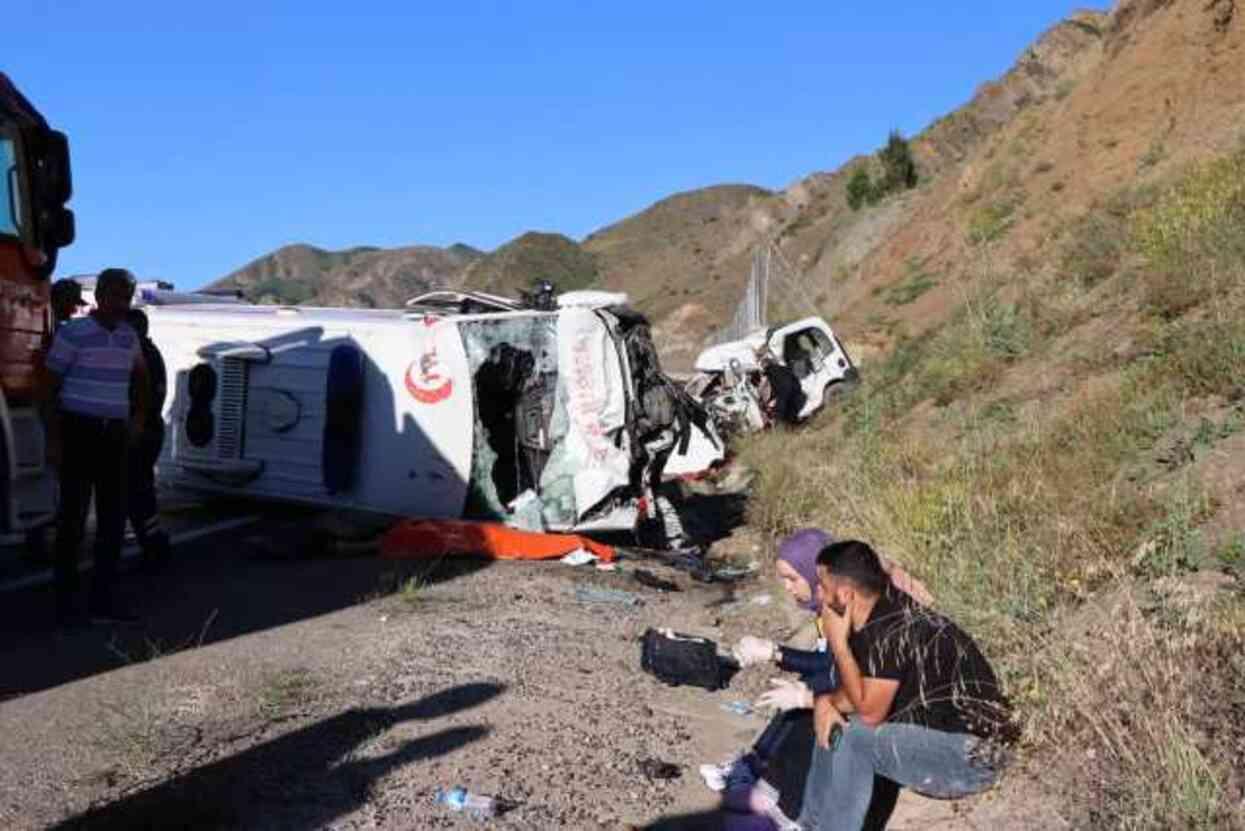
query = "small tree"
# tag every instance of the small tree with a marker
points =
(860, 189)
(899, 169)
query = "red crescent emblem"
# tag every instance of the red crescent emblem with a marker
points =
(424, 380)
(428, 388)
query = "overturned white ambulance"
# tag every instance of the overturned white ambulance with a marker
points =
(461, 405)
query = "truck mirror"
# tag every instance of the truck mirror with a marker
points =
(60, 229)
(48, 151)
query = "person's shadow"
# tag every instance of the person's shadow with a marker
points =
(302, 779)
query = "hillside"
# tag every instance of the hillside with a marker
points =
(1050, 424)
(533, 256)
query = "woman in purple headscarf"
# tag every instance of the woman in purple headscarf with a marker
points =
(796, 569)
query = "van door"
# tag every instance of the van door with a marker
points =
(801, 353)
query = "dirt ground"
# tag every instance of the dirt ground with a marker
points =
(267, 690)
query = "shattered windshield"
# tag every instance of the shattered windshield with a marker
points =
(10, 208)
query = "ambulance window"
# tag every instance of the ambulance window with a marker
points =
(10, 208)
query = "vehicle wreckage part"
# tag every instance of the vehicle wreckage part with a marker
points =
(424, 539)
(343, 403)
(596, 450)
(513, 366)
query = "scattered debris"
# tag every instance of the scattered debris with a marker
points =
(676, 659)
(692, 561)
(647, 578)
(729, 574)
(739, 708)
(579, 557)
(478, 806)
(654, 769)
(596, 594)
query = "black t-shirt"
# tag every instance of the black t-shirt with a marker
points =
(945, 683)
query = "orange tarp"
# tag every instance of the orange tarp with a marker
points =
(419, 539)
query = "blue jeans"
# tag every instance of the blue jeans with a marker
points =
(930, 762)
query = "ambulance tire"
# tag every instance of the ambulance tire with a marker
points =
(344, 388)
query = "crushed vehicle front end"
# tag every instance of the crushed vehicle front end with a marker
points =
(575, 421)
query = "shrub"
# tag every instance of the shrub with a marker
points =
(1093, 250)
(898, 173)
(990, 222)
(898, 166)
(860, 190)
(916, 282)
(1191, 238)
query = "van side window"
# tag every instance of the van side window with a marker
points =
(799, 352)
(824, 344)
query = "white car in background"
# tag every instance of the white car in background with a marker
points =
(727, 376)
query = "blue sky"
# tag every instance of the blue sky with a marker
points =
(204, 136)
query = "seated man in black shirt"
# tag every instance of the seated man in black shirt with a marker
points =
(926, 709)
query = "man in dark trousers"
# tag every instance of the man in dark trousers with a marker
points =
(94, 368)
(926, 709)
(142, 508)
(786, 396)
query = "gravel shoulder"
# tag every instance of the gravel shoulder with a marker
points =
(341, 693)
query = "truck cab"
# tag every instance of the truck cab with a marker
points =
(34, 226)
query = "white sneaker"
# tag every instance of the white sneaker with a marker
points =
(730, 774)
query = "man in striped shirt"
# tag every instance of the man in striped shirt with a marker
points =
(97, 384)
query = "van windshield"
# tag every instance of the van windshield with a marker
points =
(10, 209)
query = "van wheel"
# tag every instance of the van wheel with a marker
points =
(829, 394)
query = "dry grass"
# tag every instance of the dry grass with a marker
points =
(286, 692)
(1133, 690)
(1017, 516)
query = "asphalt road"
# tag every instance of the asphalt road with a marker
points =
(233, 573)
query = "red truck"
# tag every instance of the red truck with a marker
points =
(35, 184)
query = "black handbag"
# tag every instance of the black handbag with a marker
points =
(676, 659)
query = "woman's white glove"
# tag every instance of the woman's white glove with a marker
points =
(786, 694)
(752, 650)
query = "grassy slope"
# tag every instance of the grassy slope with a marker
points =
(1048, 443)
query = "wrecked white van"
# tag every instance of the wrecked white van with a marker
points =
(727, 375)
(464, 404)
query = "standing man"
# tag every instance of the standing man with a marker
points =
(66, 300)
(142, 508)
(93, 368)
(786, 396)
(927, 711)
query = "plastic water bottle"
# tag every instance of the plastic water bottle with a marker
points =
(461, 799)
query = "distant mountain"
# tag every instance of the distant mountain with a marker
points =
(364, 276)
(387, 277)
